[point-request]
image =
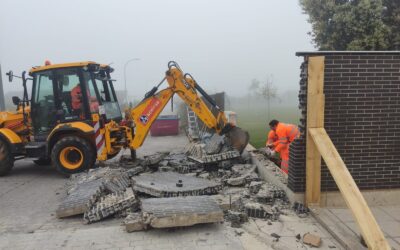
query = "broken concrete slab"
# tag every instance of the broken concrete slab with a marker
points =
(171, 184)
(221, 156)
(111, 204)
(117, 183)
(134, 222)
(186, 167)
(237, 181)
(196, 150)
(180, 211)
(80, 198)
(151, 160)
(236, 218)
(255, 186)
(242, 174)
(257, 210)
(213, 145)
(206, 159)
(135, 171)
(227, 202)
(243, 169)
(265, 196)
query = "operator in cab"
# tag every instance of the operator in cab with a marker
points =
(76, 96)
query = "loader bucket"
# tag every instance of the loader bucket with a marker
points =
(237, 137)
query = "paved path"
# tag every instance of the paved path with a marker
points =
(388, 218)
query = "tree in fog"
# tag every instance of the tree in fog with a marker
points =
(253, 88)
(269, 92)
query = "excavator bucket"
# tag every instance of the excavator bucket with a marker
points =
(238, 138)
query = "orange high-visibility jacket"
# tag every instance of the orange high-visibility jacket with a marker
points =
(272, 139)
(76, 96)
(286, 134)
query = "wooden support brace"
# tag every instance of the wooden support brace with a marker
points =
(355, 201)
(315, 119)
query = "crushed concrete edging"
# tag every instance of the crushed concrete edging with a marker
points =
(269, 176)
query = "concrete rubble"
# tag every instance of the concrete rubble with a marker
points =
(135, 222)
(207, 183)
(80, 198)
(181, 211)
(111, 204)
(212, 151)
(170, 184)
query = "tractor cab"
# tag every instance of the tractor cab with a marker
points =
(63, 93)
(68, 121)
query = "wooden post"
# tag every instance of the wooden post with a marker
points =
(370, 229)
(315, 119)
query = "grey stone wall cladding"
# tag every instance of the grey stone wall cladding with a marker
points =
(362, 117)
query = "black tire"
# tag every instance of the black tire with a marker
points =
(72, 154)
(133, 155)
(42, 162)
(6, 158)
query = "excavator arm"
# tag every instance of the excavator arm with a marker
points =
(187, 89)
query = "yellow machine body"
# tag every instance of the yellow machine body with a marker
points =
(72, 140)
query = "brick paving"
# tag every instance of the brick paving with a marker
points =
(388, 218)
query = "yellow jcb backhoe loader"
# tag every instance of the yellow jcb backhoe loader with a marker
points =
(73, 117)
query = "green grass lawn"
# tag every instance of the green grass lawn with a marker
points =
(256, 121)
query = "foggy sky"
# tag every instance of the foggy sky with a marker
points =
(222, 43)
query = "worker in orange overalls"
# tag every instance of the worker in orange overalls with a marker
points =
(286, 134)
(76, 96)
(272, 140)
(270, 145)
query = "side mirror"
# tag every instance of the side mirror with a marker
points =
(16, 100)
(10, 76)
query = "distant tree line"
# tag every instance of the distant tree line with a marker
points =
(354, 24)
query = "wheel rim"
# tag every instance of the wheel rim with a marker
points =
(71, 157)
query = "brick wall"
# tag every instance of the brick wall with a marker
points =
(362, 117)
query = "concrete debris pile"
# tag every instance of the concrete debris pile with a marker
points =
(242, 174)
(180, 211)
(87, 190)
(80, 198)
(176, 189)
(257, 199)
(213, 150)
(170, 184)
(111, 204)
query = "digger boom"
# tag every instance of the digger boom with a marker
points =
(184, 85)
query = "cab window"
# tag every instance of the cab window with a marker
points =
(44, 111)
